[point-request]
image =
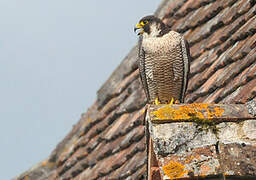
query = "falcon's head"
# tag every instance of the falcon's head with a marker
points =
(150, 26)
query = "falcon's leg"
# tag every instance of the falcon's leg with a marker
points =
(174, 102)
(157, 101)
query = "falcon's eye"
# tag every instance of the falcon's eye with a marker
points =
(146, 22)
(143, 23)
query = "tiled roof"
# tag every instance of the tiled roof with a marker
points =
(108, 141)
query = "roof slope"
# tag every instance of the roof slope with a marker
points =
(108, 141)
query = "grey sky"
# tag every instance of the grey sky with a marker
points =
(54, 56)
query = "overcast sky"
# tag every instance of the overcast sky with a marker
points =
(54, 56)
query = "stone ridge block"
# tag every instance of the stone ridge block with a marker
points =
(198, 112)
(191, 149)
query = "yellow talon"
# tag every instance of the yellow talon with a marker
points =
(177, 102)
(157, 102)
(171, 102)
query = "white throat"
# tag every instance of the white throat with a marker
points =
(154, 31)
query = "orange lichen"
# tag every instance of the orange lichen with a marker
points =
(189, 159)
(44, 163)
(89, 119)
(187, 112)
(218, 111)
(174, 170)
(48, 164)
(205, 169)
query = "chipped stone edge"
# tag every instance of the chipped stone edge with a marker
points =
(251, 106)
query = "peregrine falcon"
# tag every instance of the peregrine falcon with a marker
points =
(163, 60)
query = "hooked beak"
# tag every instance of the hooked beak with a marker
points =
(139, 26)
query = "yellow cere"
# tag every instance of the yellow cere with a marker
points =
(174, 170)
(186, 112)
(138, 26)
